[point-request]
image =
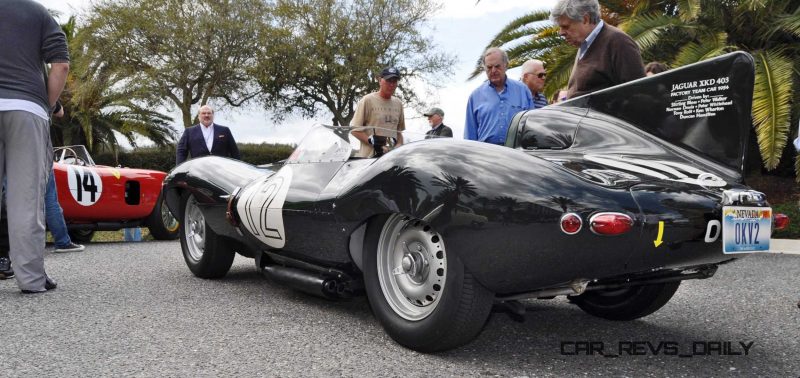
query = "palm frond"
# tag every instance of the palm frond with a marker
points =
(525, 32)
(708, 46)
(789, 23)
(772, 104)
(646, 29)
(560, 61)
(531, 25)
(797, 168)
(532, 49)
(752, 5)
(525, 20)
(688, 10)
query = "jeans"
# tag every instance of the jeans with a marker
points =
(54, 216)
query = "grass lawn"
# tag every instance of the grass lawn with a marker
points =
(111, 236)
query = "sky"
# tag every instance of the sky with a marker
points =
(461, 27)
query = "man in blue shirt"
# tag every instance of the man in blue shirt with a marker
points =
(492, 105)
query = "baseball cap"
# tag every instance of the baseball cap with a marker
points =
(433, 111)
(390, 72)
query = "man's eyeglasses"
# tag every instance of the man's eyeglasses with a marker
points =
(540, 75)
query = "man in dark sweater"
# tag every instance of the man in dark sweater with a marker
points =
(606, 55)
(29, 38)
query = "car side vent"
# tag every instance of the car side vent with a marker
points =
(133, 192)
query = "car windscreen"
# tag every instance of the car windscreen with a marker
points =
(76, 155)
(547, 129)
(326, 143)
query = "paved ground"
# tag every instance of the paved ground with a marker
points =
(133, 309)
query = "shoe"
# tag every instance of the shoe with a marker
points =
(72, 247)
(6, 271)
(49, 284)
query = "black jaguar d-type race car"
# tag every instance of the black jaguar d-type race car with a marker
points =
(612, 198)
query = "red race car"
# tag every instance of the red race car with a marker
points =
(101, 198)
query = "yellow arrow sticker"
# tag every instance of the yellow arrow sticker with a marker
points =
(658, 240)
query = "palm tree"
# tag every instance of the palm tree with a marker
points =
(768, 30)
(97, 105)
(681, 32)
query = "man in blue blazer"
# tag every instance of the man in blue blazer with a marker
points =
(206, 139)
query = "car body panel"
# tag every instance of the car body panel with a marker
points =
(124, 193)
(612, 151)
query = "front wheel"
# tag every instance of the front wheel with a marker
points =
(423, 297)
(206, 254)
(161, 223)
(626, 303)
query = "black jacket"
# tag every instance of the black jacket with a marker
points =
(439, 131)
(192, 143)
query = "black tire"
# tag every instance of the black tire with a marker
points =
(449, 315)
(206, 254)
(81, 236)
(161, 223)
(626, 303)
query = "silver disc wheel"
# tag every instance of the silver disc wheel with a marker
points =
(195, 229)
(412, 267)
(170, 223)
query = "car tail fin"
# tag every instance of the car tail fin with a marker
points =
(704, 107)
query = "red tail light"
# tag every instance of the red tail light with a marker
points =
(780, 221)
(571, 223)
(610, 223)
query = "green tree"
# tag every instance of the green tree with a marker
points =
(326, 54)
(97, 104)
(181, 53)
(681, 32)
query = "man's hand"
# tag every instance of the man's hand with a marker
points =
(58, 110)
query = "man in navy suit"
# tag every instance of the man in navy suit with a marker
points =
(206, 139)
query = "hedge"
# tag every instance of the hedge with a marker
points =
(163, 158)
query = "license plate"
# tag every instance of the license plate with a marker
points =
(746, 229)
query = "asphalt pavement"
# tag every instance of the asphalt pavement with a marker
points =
(134, 309)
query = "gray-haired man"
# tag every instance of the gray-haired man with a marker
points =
(493, 104)
(533, 75)
(606, 55)
(438, 129)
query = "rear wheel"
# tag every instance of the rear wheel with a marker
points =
(423, 297)
(206, 254)
(161, 223)
(626, 303)
(81, 236)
